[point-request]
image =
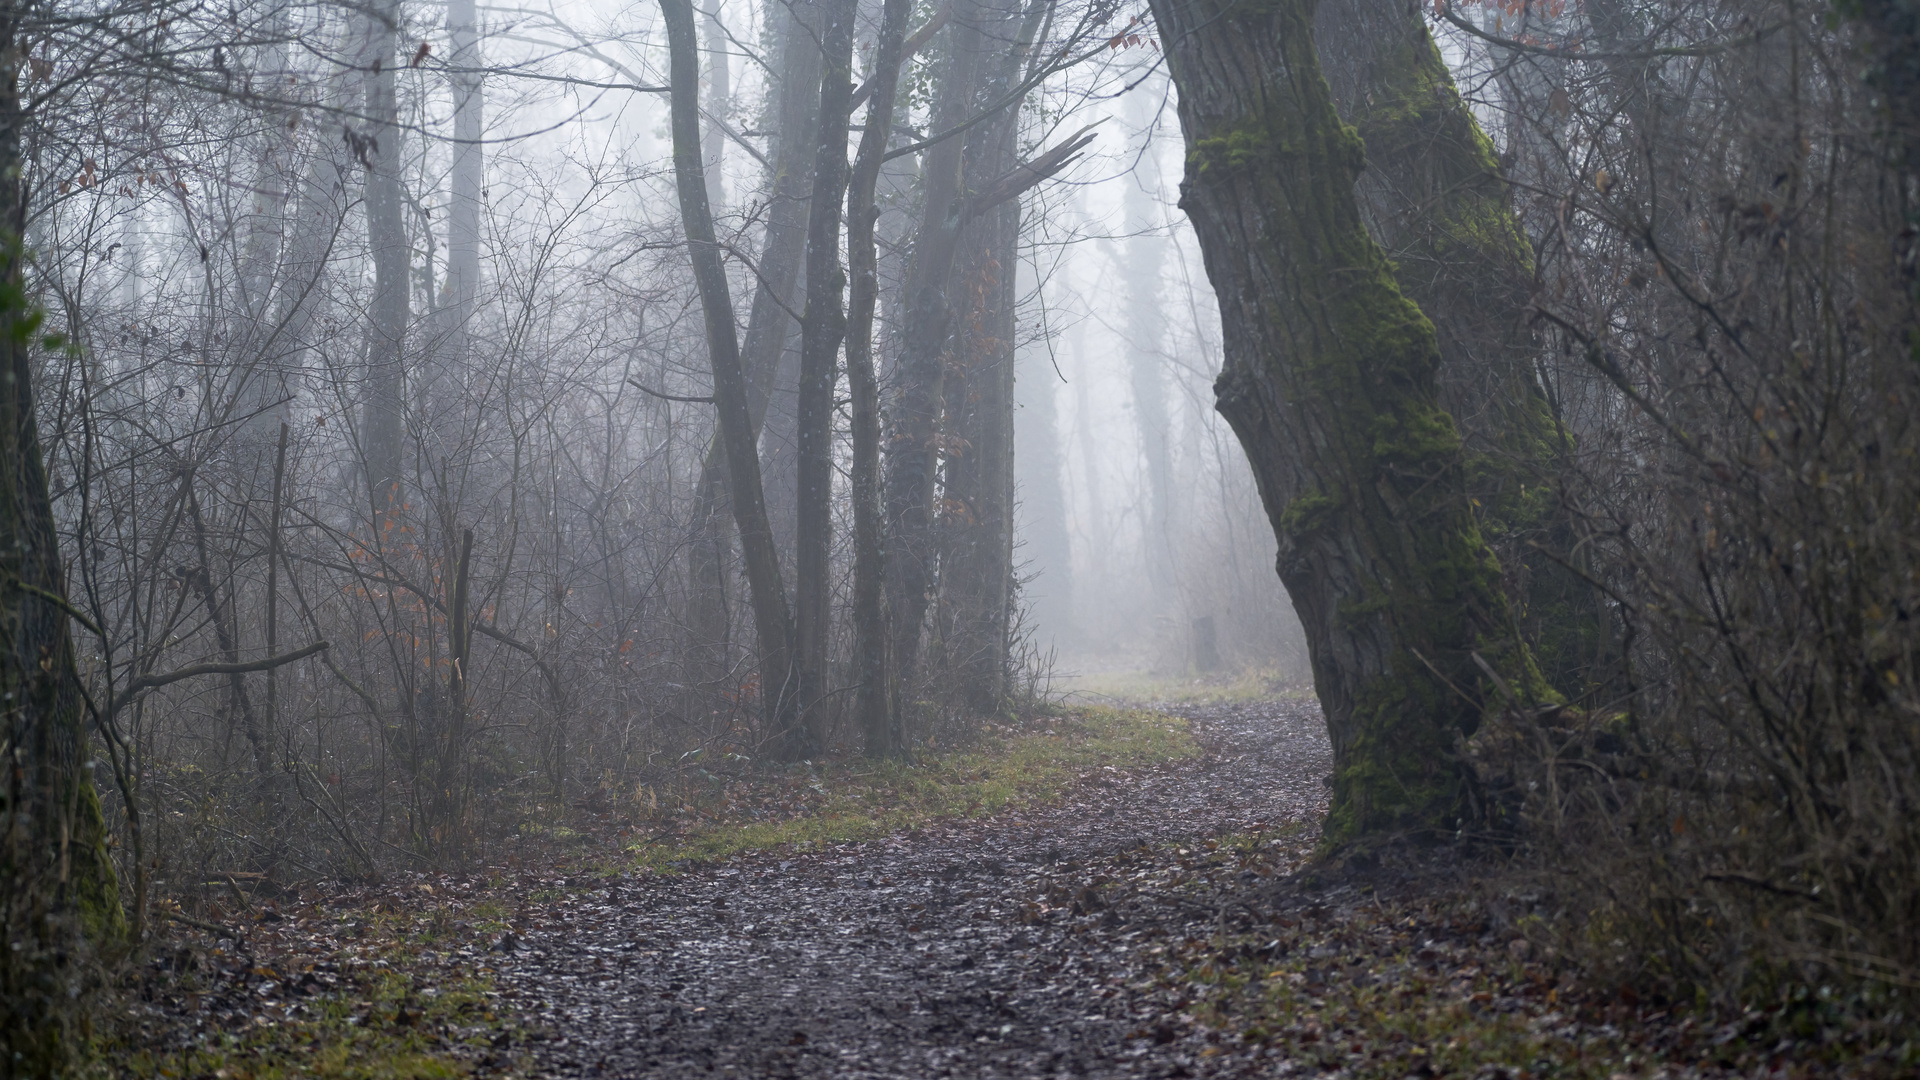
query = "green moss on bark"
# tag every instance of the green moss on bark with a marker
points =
(1330, 383)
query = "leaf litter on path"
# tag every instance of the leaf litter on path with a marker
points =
(1154, 920)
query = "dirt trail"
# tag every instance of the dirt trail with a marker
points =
(969, 949)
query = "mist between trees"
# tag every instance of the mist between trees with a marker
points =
(451, 414)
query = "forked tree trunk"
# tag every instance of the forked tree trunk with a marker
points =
(1329, 383)
(920, 374)
(769, 325)
(872, 712)
(772, 619)
(823, 327)
(976, 578)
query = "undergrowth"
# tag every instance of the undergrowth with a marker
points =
(393, 981)
(383, 1008)
(1437, 977)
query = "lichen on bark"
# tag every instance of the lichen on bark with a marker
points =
(1329, 382)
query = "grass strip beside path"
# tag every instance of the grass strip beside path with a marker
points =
(393, 981)
(1007, 769)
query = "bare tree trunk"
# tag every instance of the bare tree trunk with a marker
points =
(769, 325)
(719, 105)
(468, 176)
(1146, 377)
(450, 781)
(382, 431)
(319, 216)
(920, 375)
(1039, 457)
(823, 327)
(771, 617)
(1329, 383)
(872, 713)
(976, 575)
(975, 569)
(266, 387)
(58, 891)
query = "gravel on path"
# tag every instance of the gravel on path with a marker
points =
(971, 948)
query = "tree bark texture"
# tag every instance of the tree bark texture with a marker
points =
(58, 891)
(976, 521)
(976, 578)
(872, 712)
(772, 618)
(1433, 198)
(1329, 383)
(920, 373)
(823, 327)
(382, 431)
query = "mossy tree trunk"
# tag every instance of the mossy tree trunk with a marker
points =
(1433, 198)
(1329, 382)
(58, 892)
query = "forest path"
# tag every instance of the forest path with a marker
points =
(1006, 946)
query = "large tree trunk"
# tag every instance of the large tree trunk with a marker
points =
(1329, 383)
(976, 563)
(920, 374)
(872, 711)
(823, 328)
(772, 619)
(58, 891)
(1432, 197)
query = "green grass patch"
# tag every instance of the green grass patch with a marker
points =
(1253, 684)
(385, 988)
(1008, 768)
(389, 1025)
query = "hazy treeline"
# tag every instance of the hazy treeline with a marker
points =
(382, 386)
